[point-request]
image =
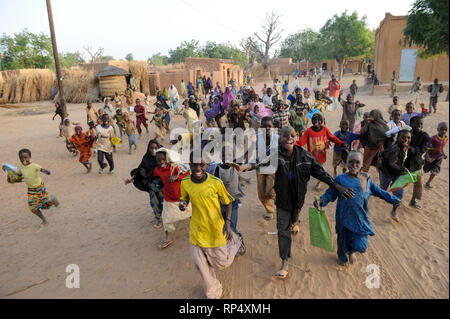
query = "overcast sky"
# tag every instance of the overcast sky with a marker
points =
(144, 27)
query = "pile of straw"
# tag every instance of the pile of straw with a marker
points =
(25, 85)
(78, 84)
(139, 70)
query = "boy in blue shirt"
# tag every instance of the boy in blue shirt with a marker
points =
(353, 226)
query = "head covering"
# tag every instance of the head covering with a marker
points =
(305, 90)
(376, 132)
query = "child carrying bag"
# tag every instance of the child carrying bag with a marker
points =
(404, 180)
(319, 229)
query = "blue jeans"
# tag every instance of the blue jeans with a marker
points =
(385, 181)
(234, 213)
(349, 242)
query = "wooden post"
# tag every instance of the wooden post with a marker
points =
(56, 57)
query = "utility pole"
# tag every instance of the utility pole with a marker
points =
(55, 55)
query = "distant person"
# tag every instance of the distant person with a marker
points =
(334, 88)
(139, 109)
(393, 85)
(59, 112)
(353, 89)
(434, 91)
(82, 141)
(415, 89)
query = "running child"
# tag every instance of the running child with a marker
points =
(393, 165)
(118, 117)
(295, 168)
(353, 226)
(213, 244)
(171, 177)
(82, 141)
(37, 193)
(340, 153)
(316, 138)
(68, 130)
(435, 153)
(130, 130)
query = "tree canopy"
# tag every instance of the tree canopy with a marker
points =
(427, 27)
(223, 51)
(27, 50)
(158, 59)
(346, 37)
(184, 50)
(129, 57)
(302, 46)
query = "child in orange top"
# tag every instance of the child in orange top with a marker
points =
(317, 137)
(82, 141)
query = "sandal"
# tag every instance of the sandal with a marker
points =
(280, 274)
(157, 224)
(415, 205)
(268, 216)
(165, 244)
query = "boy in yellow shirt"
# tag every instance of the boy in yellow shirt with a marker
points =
(37, 194)
(212, 242)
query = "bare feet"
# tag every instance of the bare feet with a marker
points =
(54, 200)
(394, 216)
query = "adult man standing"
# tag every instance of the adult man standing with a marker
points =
(334, 88)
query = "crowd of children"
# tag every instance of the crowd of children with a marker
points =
(211, 194)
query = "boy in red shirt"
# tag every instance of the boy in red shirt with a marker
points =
(171, 177)
(317, 137)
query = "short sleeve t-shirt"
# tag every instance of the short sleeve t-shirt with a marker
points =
(171, 190)
(30, 174)
(206, 227)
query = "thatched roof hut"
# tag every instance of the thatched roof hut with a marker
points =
(112, 79)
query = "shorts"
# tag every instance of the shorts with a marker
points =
(337, 160)
(433, 167)
(132, 139)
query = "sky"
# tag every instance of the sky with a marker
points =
(145, 27)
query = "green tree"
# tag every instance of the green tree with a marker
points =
(345, 37)
(427, 27)
(26, 50)
(224, 51)
(129, 57)
(185, 50)
(69, 59)
(106, 58)
(302, 46)
(158, 59)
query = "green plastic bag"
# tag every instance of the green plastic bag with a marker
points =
(404, 180)
(319, 229)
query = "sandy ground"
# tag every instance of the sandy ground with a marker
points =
(106, 229)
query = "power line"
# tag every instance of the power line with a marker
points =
(211, 18)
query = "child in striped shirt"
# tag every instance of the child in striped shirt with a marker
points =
(435, 153)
